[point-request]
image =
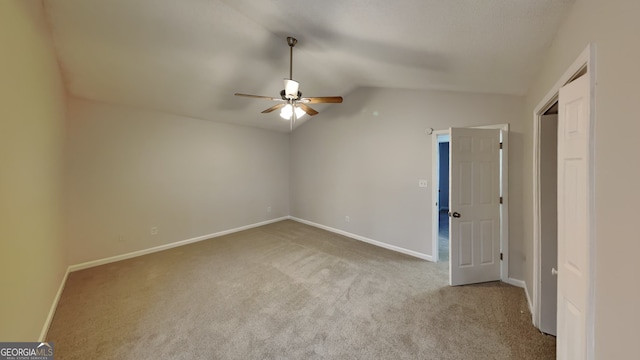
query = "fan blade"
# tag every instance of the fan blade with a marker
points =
(258, 97)
(322, 99)
(307, 109)
(273, 108)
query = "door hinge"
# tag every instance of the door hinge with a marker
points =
(501, 199)
(501, 256)
(500, 145)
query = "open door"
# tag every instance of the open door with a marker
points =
(574, 214)
(474, 203)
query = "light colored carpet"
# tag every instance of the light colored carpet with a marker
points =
(288, 291)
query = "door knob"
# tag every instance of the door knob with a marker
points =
(554, 272)
(455, 214)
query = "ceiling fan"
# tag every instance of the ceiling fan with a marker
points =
(291, 103)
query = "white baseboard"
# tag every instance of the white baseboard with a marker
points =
(54, 306)
(516, 282)
(522, 284)
(529, 302)
(130, 255)
(367, 240)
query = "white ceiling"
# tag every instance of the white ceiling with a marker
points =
(189, 57)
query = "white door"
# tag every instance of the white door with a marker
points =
(474, 204)
(573, 219)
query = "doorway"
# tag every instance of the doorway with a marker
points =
(548, 200)
(443, 197)
(438, 231)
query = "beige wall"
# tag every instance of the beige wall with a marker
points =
(32, 113)
(614, 28)
(129, 170)
(363, 159)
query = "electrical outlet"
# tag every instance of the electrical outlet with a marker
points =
(153, 231)
(422, 183)
(347, 218)
(268, 208)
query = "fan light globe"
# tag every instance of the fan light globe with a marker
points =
(287, 112)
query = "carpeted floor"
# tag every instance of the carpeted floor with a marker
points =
(288, 291)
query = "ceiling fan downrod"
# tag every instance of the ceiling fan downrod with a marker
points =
(292, 42)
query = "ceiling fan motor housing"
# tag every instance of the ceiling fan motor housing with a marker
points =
(286, 96)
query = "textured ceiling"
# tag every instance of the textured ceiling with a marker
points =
(188, 57)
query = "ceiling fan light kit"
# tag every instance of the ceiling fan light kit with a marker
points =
(287, 112)
(292, 105)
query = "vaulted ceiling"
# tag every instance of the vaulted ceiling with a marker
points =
(189, 57)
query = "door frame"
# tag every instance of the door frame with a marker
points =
(584, 62)
(504, 187)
